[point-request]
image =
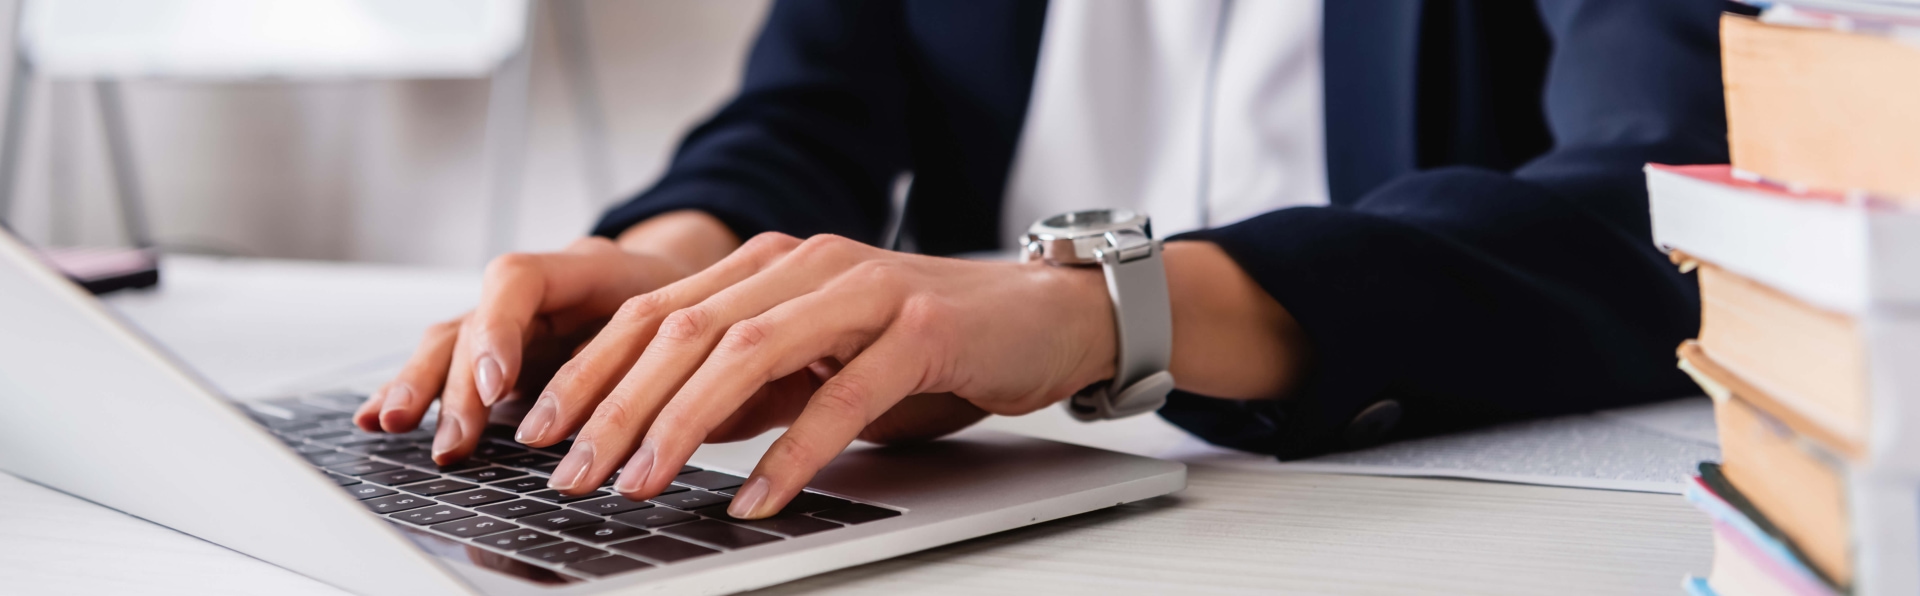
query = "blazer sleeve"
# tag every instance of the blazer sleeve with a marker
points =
(812, 141)
(1459, 297)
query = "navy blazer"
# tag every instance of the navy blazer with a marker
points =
(1487, 253)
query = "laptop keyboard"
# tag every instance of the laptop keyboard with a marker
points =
(498, 498)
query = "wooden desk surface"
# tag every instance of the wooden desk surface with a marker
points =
(1234, 530)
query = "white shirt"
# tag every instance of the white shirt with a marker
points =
(1119, 116)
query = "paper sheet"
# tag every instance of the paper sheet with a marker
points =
(1651, 448)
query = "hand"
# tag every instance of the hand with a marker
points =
(535, 310)
(716, 355)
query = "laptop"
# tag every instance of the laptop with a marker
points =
(91, 407)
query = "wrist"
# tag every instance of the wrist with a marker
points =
(1231, 339)
(688, 241)
(1092, 333)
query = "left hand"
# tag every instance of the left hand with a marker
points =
(779, 313)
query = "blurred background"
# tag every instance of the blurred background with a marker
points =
(378, 169)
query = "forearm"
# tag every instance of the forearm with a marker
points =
(1230, 338)
(689, 240)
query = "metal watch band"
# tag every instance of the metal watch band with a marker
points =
(1122, 243)
(1143, 323)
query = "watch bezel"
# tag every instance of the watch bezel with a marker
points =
(1082, 237)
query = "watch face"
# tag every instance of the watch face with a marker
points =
(1092, 219)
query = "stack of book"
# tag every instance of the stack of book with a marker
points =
(1808, 253)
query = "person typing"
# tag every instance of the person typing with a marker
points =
(1367, 246)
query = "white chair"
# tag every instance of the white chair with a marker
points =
(106, 41)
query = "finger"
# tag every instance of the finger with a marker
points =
(754, 352)
(591, 276)
(367, 416)
(870, 385)
(922, 417)
(462, 416)
(580, 384)
(406, 398)
(774, 405)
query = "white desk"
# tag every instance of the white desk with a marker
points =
(257, 327)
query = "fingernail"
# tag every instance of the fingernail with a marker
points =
(486, 375)
(573, 469)
(749, 498)
(637, 470)
(450, 436)
(539, 419)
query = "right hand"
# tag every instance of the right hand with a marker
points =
(534, 309)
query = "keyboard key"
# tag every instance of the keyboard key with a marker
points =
(459, 466)
(306, 449)
(709, 480)
(688, 469)
(857, 513)
(354, 438)
(432, 515)
(284, 427)
(398, 477)
(561, 448)
(490, 451)
(521, 485)
(476, 498)
(526, 460)
(604, 532)
(371, 448)
(514, 509)
(490, 474)
(332, 458)
(517, 539)
(437, 487)
(605, 566)
(409, 455)
(369, 491)
(690, 500)
(342, 480)
(479, 525)
(362, 468)
(565, 552)
(498, 431)
(654, 518)
(559, 520)
(324, 433)
(807, 502)
(555, 496)
(393, 503)
(663, 549)
(545, 468)
(723, 535)
(611, 505)
(785, 524)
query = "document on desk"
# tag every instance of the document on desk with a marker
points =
(1650, 448)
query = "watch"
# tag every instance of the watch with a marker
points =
(1121, 243)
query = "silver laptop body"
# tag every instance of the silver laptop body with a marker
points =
(91, 407)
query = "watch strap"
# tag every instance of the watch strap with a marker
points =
(1143, 341)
